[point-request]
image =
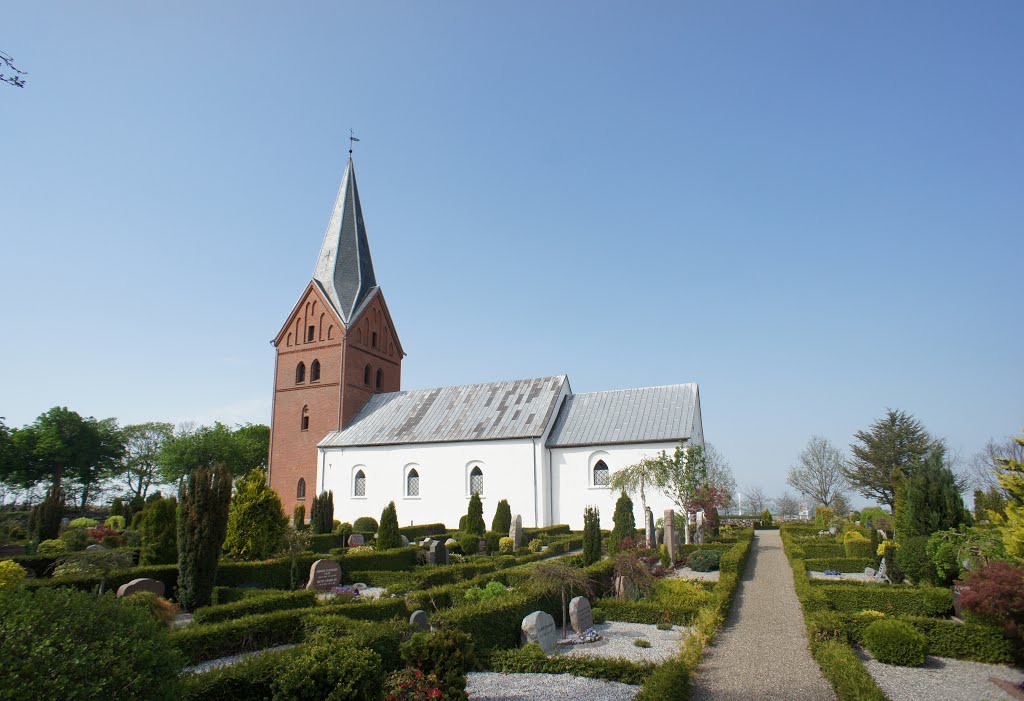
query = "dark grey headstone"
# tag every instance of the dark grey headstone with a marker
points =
(355, 540)
(419, 620)
(539, 627)
(143, 584)
(580, 614)
(482, 548)
(438, 553)
(324, 575)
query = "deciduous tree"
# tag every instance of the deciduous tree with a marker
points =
(140, 464)
(818, 474)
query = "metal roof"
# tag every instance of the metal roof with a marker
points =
(344, 269)
(646, 415)
(491, 411)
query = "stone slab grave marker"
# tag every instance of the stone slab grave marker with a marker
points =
(355, 540)
(11, 550)
(142, 584)
(670, 536)
(698, 531)
(438, 553)
(419, 620)
(450, 543)
(405, 541)
(515, 532)
(539, 627)
(580, 614)
(650, 535)
(482, 548)
(324, 575)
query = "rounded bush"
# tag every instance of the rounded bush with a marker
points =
(599, 616)
(704, 560)
(365, 524)
(83, 522)
(11, 575)
(116, 523)
(535, 545)
(75, 538)
(331, 670)
(60, 643)
(896, 642)
(506, 545)
(51, 548)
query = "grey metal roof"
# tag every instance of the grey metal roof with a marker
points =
(496, 410)
(646, 415)
(344, 269)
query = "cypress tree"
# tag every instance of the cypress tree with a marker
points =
(502, 521)
(387, 534)
(591, 535)
(475, 518)
(929, 500)
(204, 497)
(44, 521)
(321, 516)
(117, 507)
(256, 521)
(158, 531)
(299, 517)
(625, 522)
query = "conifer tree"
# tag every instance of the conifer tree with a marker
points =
(117, 507)
(502, 521)
(475, 517)
(256, 521)
(158, 532)
(299, 517)
(591, 535)
(387, 534)
(930, 499)
(624, 520)
(321, 516)
(204, 497)
(1011, 522)
(44, 521)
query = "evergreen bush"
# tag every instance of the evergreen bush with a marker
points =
(51, 548)
(447, 654)
(321, 516)
(591, 535)
(388, 536)
(83, 522)
(158, 532)
(330, 670)
(256, 520)
(365, 524)
(624, 520)
(475, 517)
(913, 560)
(75, 539)
(506, 545)
(704, 560)
(299, 517)
(896, 642)
(115, 523)
(502, 521)
(204, 498)
(117, 507)
(668, 682)
(44, 521)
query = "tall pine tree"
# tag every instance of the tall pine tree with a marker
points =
(929, 500)
(204, 497)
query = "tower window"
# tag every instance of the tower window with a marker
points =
(380, 378)
(600, 474)
(476, 481)
(373, 339)
(305, 418)
(310, 333)
(366, 376)
(300, 491)
(412, 483)
(300, 373)
(359, 485)
(314, 371)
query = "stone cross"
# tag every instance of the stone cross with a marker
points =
(515, 532)
(670, 536)
(539, 627)
(649, 534)
(324, 575)
(580, 614)
(438, 553)
(419, 620)
(142, 584)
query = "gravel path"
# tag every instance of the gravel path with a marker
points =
(687, 573)
(762, 651)
(210, 665)
(617, 641)
(941, 678)
(494, 686)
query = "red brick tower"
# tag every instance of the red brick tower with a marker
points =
(336, 349)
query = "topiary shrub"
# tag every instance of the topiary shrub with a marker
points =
(704, 560)
(365, 524)
(462, 522)
(83, 522)
(895, 642)
(58, 643)
(624, 521)
(117, 507)
(116, 523)
(331, 670)
(343, 531)
(475, 516)
(447, 654)
(51, 548)
(388, 536)
(11, 575)
(506, 545)
(502, 521)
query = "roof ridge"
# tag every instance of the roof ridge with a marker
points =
(634, 389)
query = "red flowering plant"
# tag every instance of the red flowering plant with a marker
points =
(411, 684)
(995, 593)
(100, 532)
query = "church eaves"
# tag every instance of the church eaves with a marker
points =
(344, 270)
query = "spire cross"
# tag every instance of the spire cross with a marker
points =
(351, 140)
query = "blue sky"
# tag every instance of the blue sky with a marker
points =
(812, 209)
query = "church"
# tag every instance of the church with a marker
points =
(342, 422)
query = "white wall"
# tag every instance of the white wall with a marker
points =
(444, 468)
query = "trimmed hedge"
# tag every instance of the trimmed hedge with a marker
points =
(275, 601)
(275, 574)
(646, 611)
(377, 610)
(168, 574)
(324, 542)
(496, 623)
(845, 672)
(816, 550)
(948, 638)
(200, 643)
(251, 678)
(396, 559)
(559, 529)
(839, 564)
(530, 659)
(891, 599)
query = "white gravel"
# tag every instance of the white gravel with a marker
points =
(687, 573)
(496, 686)
(847, 576)
(941, 678)
(617, 641)
(210, 665)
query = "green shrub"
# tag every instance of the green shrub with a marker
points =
(299, 517)
(535, 545)
(669, 682)
(502, 521)
(704, 560)
(591, 535)
(63, 644)
(328, 670)
(83, 522)
(271, 601)
(425, 529)
(204, 497)
(530, 659)
(162, 610)
(964, 641)
(845, 672)
(365, 524)
(823, 626)
(896, 642)
(840, 564)
(913, 559)
(640, 642)
(52, 548)
(506, 545)
(383, 637)
(492, 590)
(75, 539)
(325, 542)
(850, 597)
(492, 541)
(623, 519)
(857, 545)
(388, 536)
(648, 611)
(11, 575)
(475, 516)
(202, 642)
(116, 523)
(447, 654)
(378, 610)
(496, 624)
(256, 520)
(251, 678)
(469, 543)
(598, 614)
(321, 515)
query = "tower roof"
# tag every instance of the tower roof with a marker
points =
(344, 269)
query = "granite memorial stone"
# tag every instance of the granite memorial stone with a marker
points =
(438, 553)
(324, 575)
(670, 536)
(539, 628)
(580, 614)
(515, 532)
(135, 586)
(355, 540)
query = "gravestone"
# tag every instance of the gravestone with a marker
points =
(96, 546)
(698, 531)
(670, 536)
(355, 540)
(324, 575)
(11, 550)
(142, 584)
(64, 522)
(659, 536)
(482, 548)
(624, 588)
(539, 627)
(405, 541)
(419, 620)
(426, 541)
(359, 586)
(515, 532)
(650, 536)
(438, 553)
(450, 543)
(580, 614)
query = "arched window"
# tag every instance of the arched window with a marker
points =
(300, 373)
(366, 376)
(300, 492)
(380, 377)
(359, 485)
(373, 339)
(476, 481)
(412, 483)
(305, 418)
(314, 371)
(600, 474)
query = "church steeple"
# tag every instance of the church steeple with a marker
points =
(344, 270)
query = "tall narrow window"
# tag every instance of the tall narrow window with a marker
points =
(366, 376)
(373, 339)
(380, 378)
(305, 418)
(310, 334)
(412, 483)
(476, 481)
(300, 373)
(314, 371)
(359, 485)
(300, 491)
(600, 474)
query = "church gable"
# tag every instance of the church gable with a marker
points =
(311, 321)
(374, 331)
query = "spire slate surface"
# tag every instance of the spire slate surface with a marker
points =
(344, 269)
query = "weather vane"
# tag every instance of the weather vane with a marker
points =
(351, 140)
